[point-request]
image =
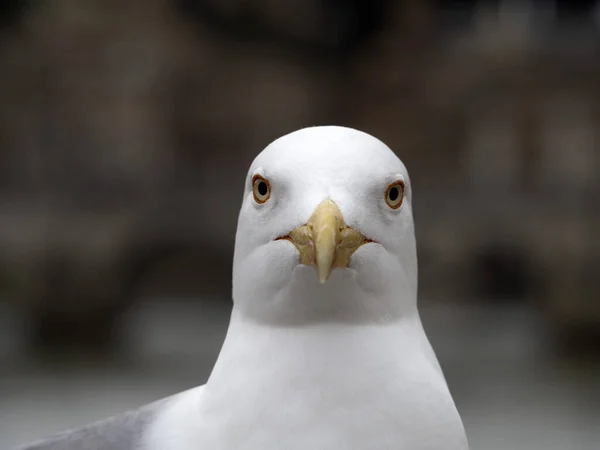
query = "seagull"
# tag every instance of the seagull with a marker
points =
(325, 348)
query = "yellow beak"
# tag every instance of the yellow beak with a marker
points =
(325, 242)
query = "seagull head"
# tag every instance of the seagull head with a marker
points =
(325, 231)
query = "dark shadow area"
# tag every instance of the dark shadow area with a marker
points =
(340, 27)
(503, 273)
(12, 11)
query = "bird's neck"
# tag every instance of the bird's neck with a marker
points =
(330, 385)
(319, 354)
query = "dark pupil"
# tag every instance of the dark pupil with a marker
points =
(393, 194)
(262, 188)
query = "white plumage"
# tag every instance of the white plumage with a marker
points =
(340, 365)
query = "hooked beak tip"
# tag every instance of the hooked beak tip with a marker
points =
(323, 277)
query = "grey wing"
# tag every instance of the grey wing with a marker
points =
(121, 432)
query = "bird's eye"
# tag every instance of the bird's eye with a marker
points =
(394, 194)
(261, 189)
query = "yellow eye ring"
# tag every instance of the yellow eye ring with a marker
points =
(261, 189)
(394, 194)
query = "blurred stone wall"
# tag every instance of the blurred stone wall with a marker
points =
(126, 129)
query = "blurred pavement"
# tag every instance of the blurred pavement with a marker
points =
(511, 392)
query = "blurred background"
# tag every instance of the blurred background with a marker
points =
(127, 127)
